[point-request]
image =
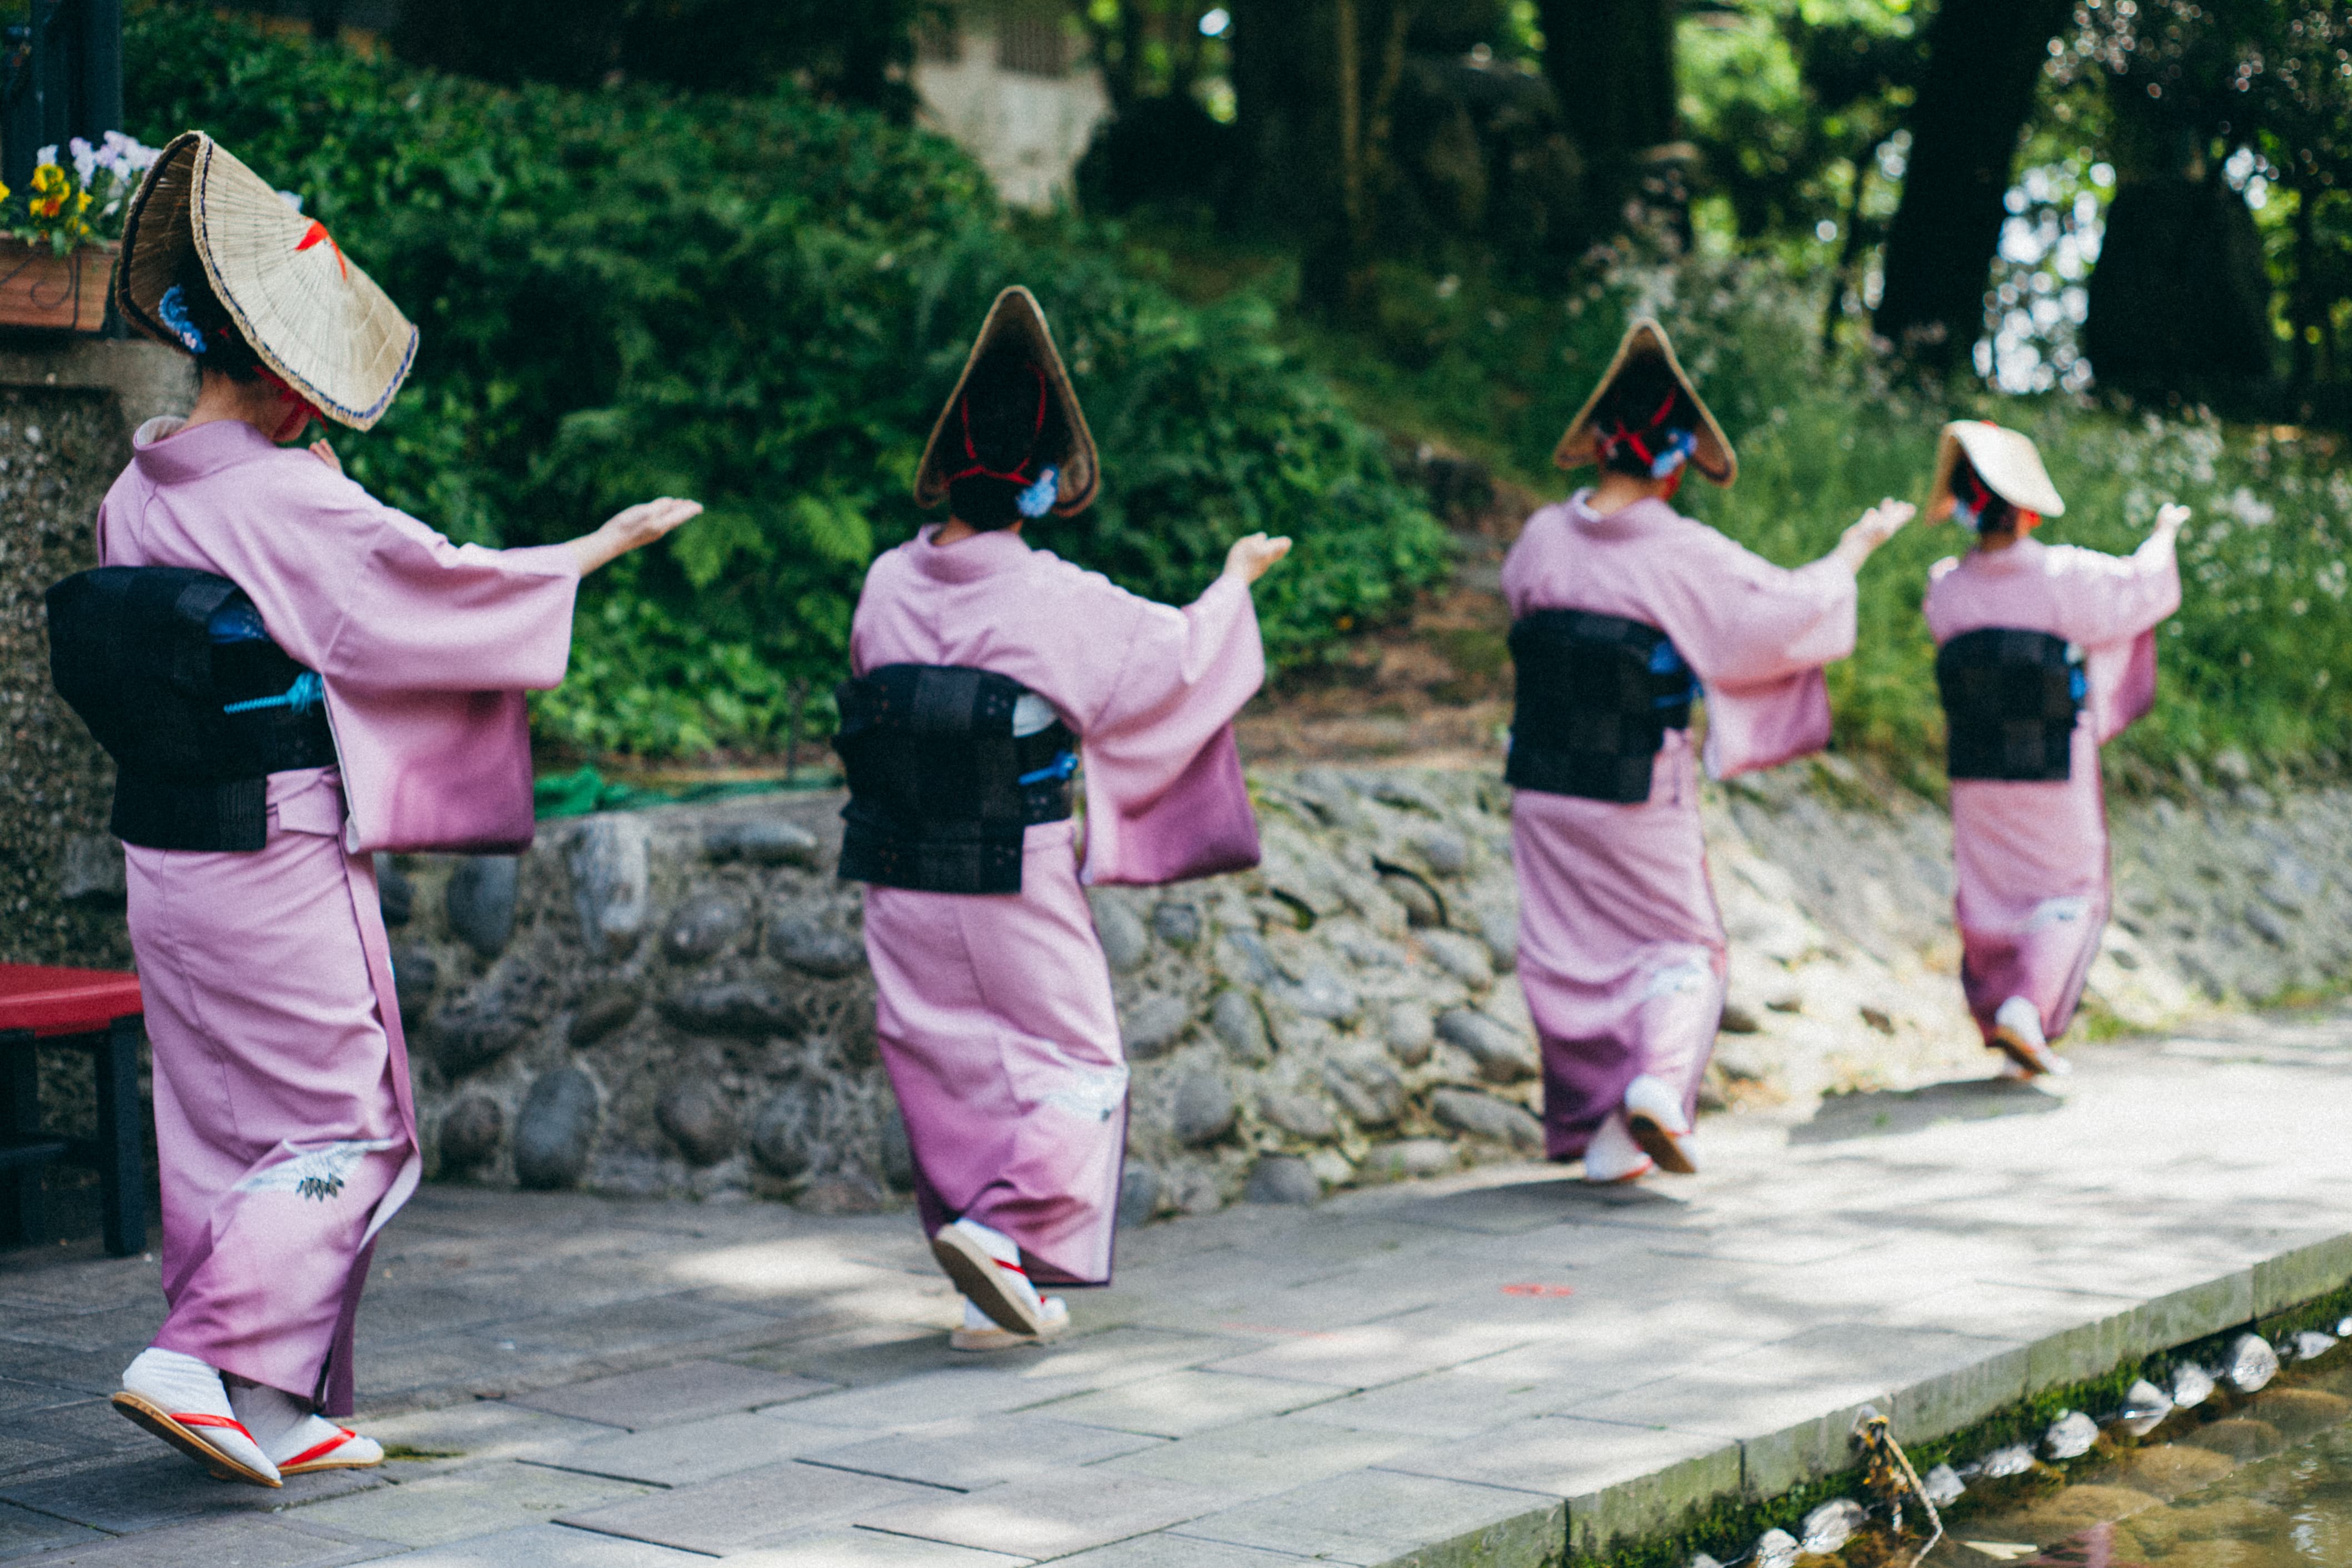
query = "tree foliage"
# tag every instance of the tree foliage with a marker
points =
(760, 302)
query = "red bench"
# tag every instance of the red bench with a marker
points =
(90, 1009)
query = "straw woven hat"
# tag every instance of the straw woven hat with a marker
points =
(308, 312)
(1015, 319)
(2005, 459)
(1714, 457)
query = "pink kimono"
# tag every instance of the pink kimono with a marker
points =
(2031, 858)
(1621, 951)
(995, 1011)
(285, 1129)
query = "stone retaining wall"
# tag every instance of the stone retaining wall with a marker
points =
(677, 1000)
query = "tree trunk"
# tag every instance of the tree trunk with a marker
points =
(1612, 67)
(1984, 59)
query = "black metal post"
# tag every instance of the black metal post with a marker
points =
(121, 1139)
(64, 79)
(24, 1213)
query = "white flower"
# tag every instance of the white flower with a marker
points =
(48, 154)
(85, 160)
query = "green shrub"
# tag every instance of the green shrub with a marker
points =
(2258, 659)
(760, 302)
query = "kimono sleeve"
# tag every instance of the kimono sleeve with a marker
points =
(1165, 797)
(426, 614)
(2113, 606)
(1759, 641)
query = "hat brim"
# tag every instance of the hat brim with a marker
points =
(1713, 456)
(2005, 459)
(310, 313)
(1017, 320)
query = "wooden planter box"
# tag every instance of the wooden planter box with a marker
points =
(38, 287)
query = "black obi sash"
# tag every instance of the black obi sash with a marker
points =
(174, 675)
(941, 789)
(2011, 700)
(1596, 697)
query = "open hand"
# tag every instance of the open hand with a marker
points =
(1883, 522)
(1249, 558)
(632, 529)
(325, 453)
(2171, 516)
(647, 520)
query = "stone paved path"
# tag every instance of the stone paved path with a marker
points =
(1484, 1364)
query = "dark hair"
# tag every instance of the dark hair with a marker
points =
(226, 351)
(1006, 430)
(1644, 401)
(1994, 515)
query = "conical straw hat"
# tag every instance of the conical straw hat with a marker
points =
(308, 312)
(1016, 319)
(1714, 457)
(2005, 459)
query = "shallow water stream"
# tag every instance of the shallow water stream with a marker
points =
(2266, 1482)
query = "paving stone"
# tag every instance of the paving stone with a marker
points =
(1271, 1455)
(694, 1451)
(750, 1508)
(1618, 1480)
(427, 1442)
(930, 1397)
(1162, 1549)
(549, 1546)
(689, 1391)
(871, 1548)
(476, 1501)
(1181, 1404)
(23, 1532)
(1051, 1515)
(1378, 1516)
(1370, 1354)
(159, 1488)
(972, 1456)
(1458, 1401)
(218, 1543)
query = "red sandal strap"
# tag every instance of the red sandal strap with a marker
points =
(228, 1424)
(320, 1450)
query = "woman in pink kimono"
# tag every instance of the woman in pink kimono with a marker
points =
(289, 674)
(2043, 653)
(984, 671)
(1622, 612)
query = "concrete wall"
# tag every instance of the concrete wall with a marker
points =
(1029, 130)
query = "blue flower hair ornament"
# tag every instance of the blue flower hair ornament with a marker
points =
(1038, 500)
(1675, 453)
(173, 309)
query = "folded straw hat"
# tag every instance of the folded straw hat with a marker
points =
(308, 312)
(1017, 321)
(1713, 457)
(2005, 459)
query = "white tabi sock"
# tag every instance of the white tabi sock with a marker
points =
(1613, 1155)
(179, 1384)
(289, 1430)
(1007, 1253)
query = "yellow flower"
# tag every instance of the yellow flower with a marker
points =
(47, 178)
(48, 206)
(81, 203)
(5, 192)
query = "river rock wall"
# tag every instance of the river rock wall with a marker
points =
(677, 1000)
